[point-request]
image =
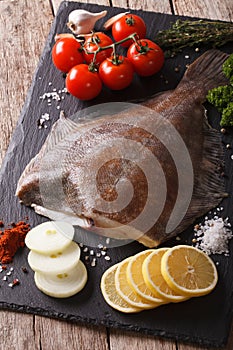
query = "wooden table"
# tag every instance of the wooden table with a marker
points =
(24, 26)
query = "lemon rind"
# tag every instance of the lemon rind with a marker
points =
(182, 290)
(141, 305)
(151, 284)
(108, 300)
(156, 300)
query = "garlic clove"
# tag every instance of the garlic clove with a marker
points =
(108, 24)
(63, 35)
(82, 21)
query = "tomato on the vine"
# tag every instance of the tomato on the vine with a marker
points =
(116, 72)
(126, 25)
(91, 45)
(146, 57)
(66, 53)
(83, 83)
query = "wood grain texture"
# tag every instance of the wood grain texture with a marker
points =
(222, 10)
(23, 34)
(68, 336)
(56, 3)
(147, 5)
(17, 331)
(125, 341)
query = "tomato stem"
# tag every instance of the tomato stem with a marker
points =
(130, 21)
(113, 46)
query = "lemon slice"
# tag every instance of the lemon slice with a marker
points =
(136, 280)
(62, 285)
(50, 237)
(126, 291)
(189, 271)
(151, 270)
(60, 262)
(110, 294)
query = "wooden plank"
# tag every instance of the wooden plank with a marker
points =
(16, 331)
(17, 67)
(18, 20)
(124, 341)
(222, 10)
(54, 334)
(146, 5)
(56, 3)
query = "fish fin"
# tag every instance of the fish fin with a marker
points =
(62, 127)
(209, 188)
(157, 98)
(206, 73)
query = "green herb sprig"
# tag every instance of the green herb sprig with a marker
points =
(222, 96)
(193, 34)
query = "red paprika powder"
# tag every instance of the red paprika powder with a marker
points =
(11, 240)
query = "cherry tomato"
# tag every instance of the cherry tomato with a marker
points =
(91, 45)
(146, 57)
(66, 53)
(83, 83)
(116, 72)
(127, 25)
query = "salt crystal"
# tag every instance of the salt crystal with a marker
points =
(213, 237)
(93, 263)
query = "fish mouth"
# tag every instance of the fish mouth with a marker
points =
(28, 191)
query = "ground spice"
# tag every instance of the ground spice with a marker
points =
(11, 240)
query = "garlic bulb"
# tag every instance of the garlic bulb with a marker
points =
(82, 21)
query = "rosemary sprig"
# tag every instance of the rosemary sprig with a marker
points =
(194, 33)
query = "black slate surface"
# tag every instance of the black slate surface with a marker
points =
(203, 320)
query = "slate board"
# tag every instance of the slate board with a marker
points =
(203, 320)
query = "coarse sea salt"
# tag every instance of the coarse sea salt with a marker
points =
(213, 236)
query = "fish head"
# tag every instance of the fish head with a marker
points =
(28, 188)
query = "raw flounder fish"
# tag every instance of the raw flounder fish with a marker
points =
(80, 165)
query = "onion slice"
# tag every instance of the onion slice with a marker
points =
(55, 263)
(62, 285)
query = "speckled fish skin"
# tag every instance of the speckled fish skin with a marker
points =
(183, 108)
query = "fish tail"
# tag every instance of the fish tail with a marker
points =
(206, 72)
